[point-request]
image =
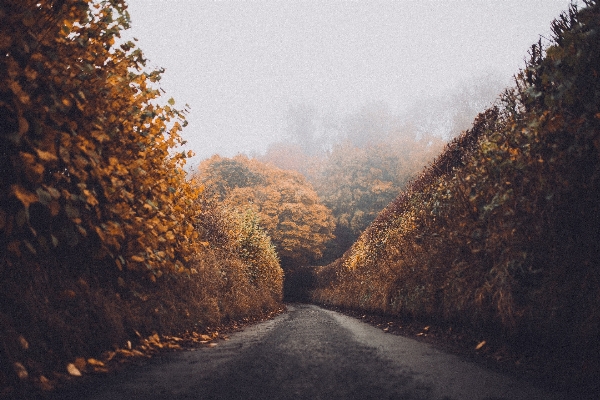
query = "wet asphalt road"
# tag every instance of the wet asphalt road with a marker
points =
(312, 353)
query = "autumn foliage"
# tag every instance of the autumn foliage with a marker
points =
(286, 205)
(372, 160)
(500, 233)
(99, 234)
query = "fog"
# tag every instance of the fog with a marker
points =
(252, 71)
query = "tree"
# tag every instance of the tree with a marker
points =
(288, 208)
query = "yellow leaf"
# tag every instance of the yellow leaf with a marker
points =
(95, 363)
(137, 258)
(72, 370)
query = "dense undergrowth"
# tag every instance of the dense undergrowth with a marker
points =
(501, 233)
(103, 240)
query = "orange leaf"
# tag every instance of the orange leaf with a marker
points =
(46, 155)
(24, 196)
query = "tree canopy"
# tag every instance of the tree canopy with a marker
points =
(287, 206)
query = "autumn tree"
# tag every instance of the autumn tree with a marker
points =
(357, 164)
(287, 206)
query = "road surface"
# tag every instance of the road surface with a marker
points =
(312, 353)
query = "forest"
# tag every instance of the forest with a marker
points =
(111, 250)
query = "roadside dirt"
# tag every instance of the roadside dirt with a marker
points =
(310, 352)
(490, 352)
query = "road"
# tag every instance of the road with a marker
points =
(312, 353)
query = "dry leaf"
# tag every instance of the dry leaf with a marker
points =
(23, 342)
(45, 383)
(480, 345)
(72, 370)
(95, 363)
(20, 370)
(124, 353)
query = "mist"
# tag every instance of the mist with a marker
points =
(245, 68)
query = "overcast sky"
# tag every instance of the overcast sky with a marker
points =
(241, 64)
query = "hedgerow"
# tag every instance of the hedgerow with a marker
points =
(501, 232)
(100, 239)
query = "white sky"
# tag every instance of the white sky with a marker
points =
(240, 65)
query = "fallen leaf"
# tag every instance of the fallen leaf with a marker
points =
(95, 363)
(45, 383)
(23, 343)
(72, 370)
(124, 353)
(20, 370)
(480, 345)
